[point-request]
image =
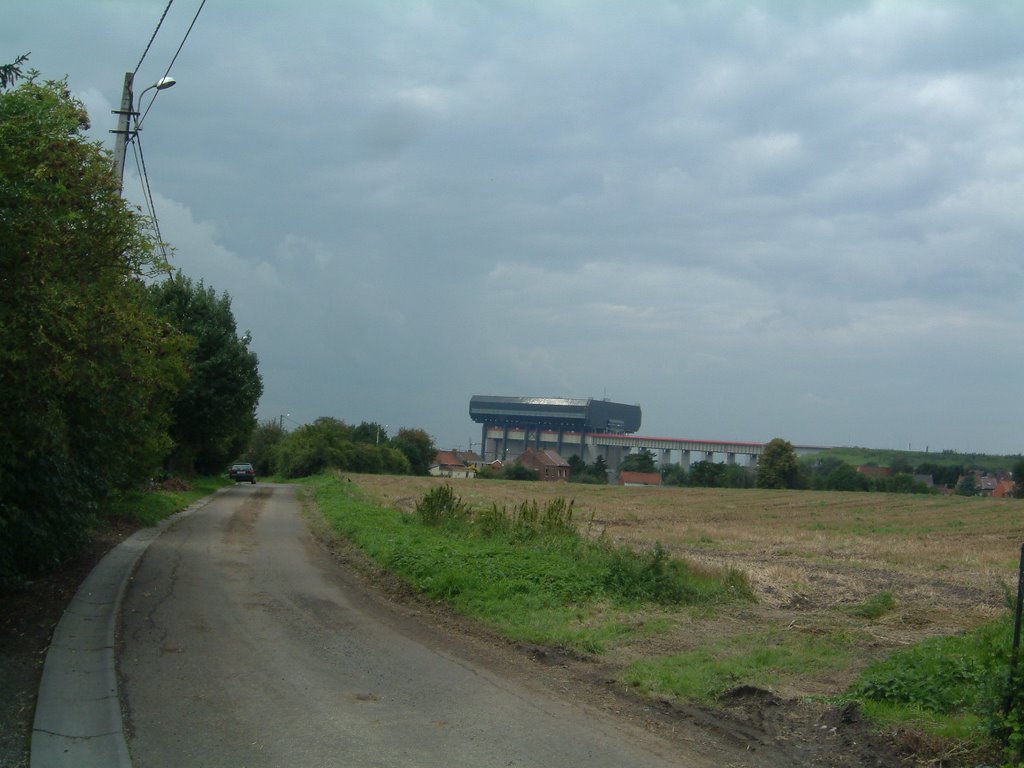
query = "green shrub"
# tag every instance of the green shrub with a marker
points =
(657, 577)
(964, 676)
(440, 506)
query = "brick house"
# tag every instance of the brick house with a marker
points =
(547, 463)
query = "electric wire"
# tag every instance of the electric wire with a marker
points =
(136, 140)
(151, 39)
(175, 57)
(147, 192)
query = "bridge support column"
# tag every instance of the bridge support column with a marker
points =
(730, 458)
(666, 458)
(684, 460)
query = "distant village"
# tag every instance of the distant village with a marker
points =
(549, 466)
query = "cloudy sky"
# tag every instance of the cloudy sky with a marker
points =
(756, 220)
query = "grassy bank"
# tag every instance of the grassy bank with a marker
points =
(525, 571)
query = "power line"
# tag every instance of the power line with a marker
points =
(151, 39)
(175, 58)
(147, 193)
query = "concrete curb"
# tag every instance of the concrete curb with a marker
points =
(78, 710)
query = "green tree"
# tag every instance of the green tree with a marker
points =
(706, 474)
(11, 73)
(735, 476)
(418, 448)
(967, 485)
(778, 467)
(370, 432)
(674, 474)
(263, 446)
(86, 368)
(519, 472)
(215, 412)
(845, 477)
(577, 467)
(1018, 479)
(638, 462)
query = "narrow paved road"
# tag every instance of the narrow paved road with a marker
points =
(243, 643)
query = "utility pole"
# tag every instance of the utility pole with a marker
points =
(123, 127)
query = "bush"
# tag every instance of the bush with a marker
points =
(442, 507)
(657, 577)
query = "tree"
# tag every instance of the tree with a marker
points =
(967, 486)
(845, 477)
(638, 462)
(706, 474)
(674, 474)
(1018, 478)
(778, 467)
(215, 412)
(735, 476)
(519, 472)
(87, 370)
(418, 448)
(263, 446)
(11, 73)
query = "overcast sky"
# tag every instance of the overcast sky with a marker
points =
(756, 220)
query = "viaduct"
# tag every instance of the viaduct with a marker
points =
(589, 428)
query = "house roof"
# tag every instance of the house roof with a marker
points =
(447, 459)
(545, 457)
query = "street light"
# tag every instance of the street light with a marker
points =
(126, 113)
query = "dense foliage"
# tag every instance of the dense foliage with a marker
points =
(86, 369)
(99, 379)
(778, 466)
(214, 413)
(330, 443)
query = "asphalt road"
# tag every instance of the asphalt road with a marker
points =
(244, 643)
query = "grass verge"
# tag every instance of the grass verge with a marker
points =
(525, 572)
(149, 507)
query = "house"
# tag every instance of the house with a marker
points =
(449, 464)
(1004, 489)
(546, 463)
(639, 478)
(469, 458)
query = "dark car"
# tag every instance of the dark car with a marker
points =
(241, 472)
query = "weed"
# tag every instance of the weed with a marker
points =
(953, 677)
(441, 506)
